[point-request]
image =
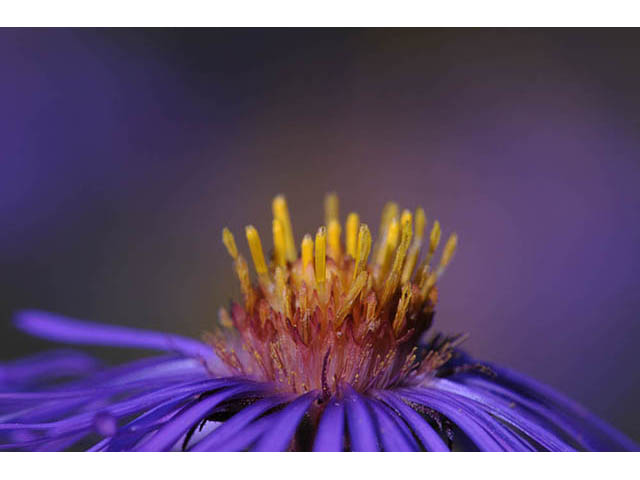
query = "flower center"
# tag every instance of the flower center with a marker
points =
(339, 312)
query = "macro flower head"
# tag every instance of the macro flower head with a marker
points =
(330, 348)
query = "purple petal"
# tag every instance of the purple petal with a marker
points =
(126, 407)
(45, 366)
(362, 432)
(180, 370)
(248, 435)
(129, 435)
(282, 429)
(171, 432)
(391, 435)
(428, 436)
(44, 444)
(599, 434)
(49, 410)
(67, 330)
(505, 411)
(467, 423)
(229, 429)
(100, 446)
(330, 435)
(507, 439)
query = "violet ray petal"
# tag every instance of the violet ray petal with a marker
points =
(507, 439)
(248, 435)
(47, 365)
(45, 441)
(100, 446)
(402, 425)
(469, 425)
(116, 373)
(608, 438)
(503, 410)
(49, 410)
(63, 329)
(330, 434)
(104, 390)
(389, 433)
(131, 433)
(59, 444)
(171, 432)
(430, 439)
(150, 368)
(531, 409)
(126, 407)
(45, 412)
(362, 432)
(37, 444)
(235, 424)
(279, 435)
(167, 369)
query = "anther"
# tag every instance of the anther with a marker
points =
(420, 223)
(279, 244)
(229, 242)
(447, 253)
(389, 212)
(331, 208)
(321, 255)
(363, 249)
(255, 246)
(333, 232)
(307, 250)
(353, 221)
(434, 239)
(389, 247)
(281, 212)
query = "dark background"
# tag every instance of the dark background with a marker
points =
(123, 153)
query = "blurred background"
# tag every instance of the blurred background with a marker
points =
(123, 153)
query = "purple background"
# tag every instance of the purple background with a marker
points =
(124, 153)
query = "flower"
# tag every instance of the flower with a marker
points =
(328, 351)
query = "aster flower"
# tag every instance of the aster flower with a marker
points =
(329, 350)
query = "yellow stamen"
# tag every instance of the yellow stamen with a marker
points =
(428, 284)
(229, 242)
(434, 239)
(389, 247)
(409, 265)
(281, 212)
(279, 243)
(363, 250)
(393, 234)
(353, 221)
(255, 246)
(350, 297)
(321, 255)
(404, 244)
(420, 223)
(334, 229)
(307, 250)
(400, 318)
(389, 212)
(394, 277)
(406, 215)
(449, 250)
(331, 208)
